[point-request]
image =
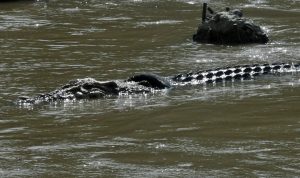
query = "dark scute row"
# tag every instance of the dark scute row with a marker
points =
(229, 73)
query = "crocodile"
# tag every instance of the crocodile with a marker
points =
(89, 88)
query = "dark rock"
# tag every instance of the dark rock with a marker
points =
(229, 27)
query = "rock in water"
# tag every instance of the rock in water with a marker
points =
(229, 27)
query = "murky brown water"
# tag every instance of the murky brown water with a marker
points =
(241, 129)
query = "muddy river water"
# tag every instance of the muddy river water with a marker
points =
(234, 129)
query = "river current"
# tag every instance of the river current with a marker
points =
(234, 129)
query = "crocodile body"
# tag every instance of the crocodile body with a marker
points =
(89, 88)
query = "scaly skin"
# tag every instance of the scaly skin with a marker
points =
(89, 88)
(235, 73)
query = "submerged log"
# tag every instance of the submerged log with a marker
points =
(228, 27)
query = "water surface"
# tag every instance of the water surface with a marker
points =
(241, 129)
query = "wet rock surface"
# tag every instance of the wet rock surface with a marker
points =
(89, 88)
(228, 27)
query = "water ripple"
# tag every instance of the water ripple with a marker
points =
(15, 22)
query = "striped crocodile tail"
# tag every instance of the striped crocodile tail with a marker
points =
(234, 73)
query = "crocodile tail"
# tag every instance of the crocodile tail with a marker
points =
(235, 73)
